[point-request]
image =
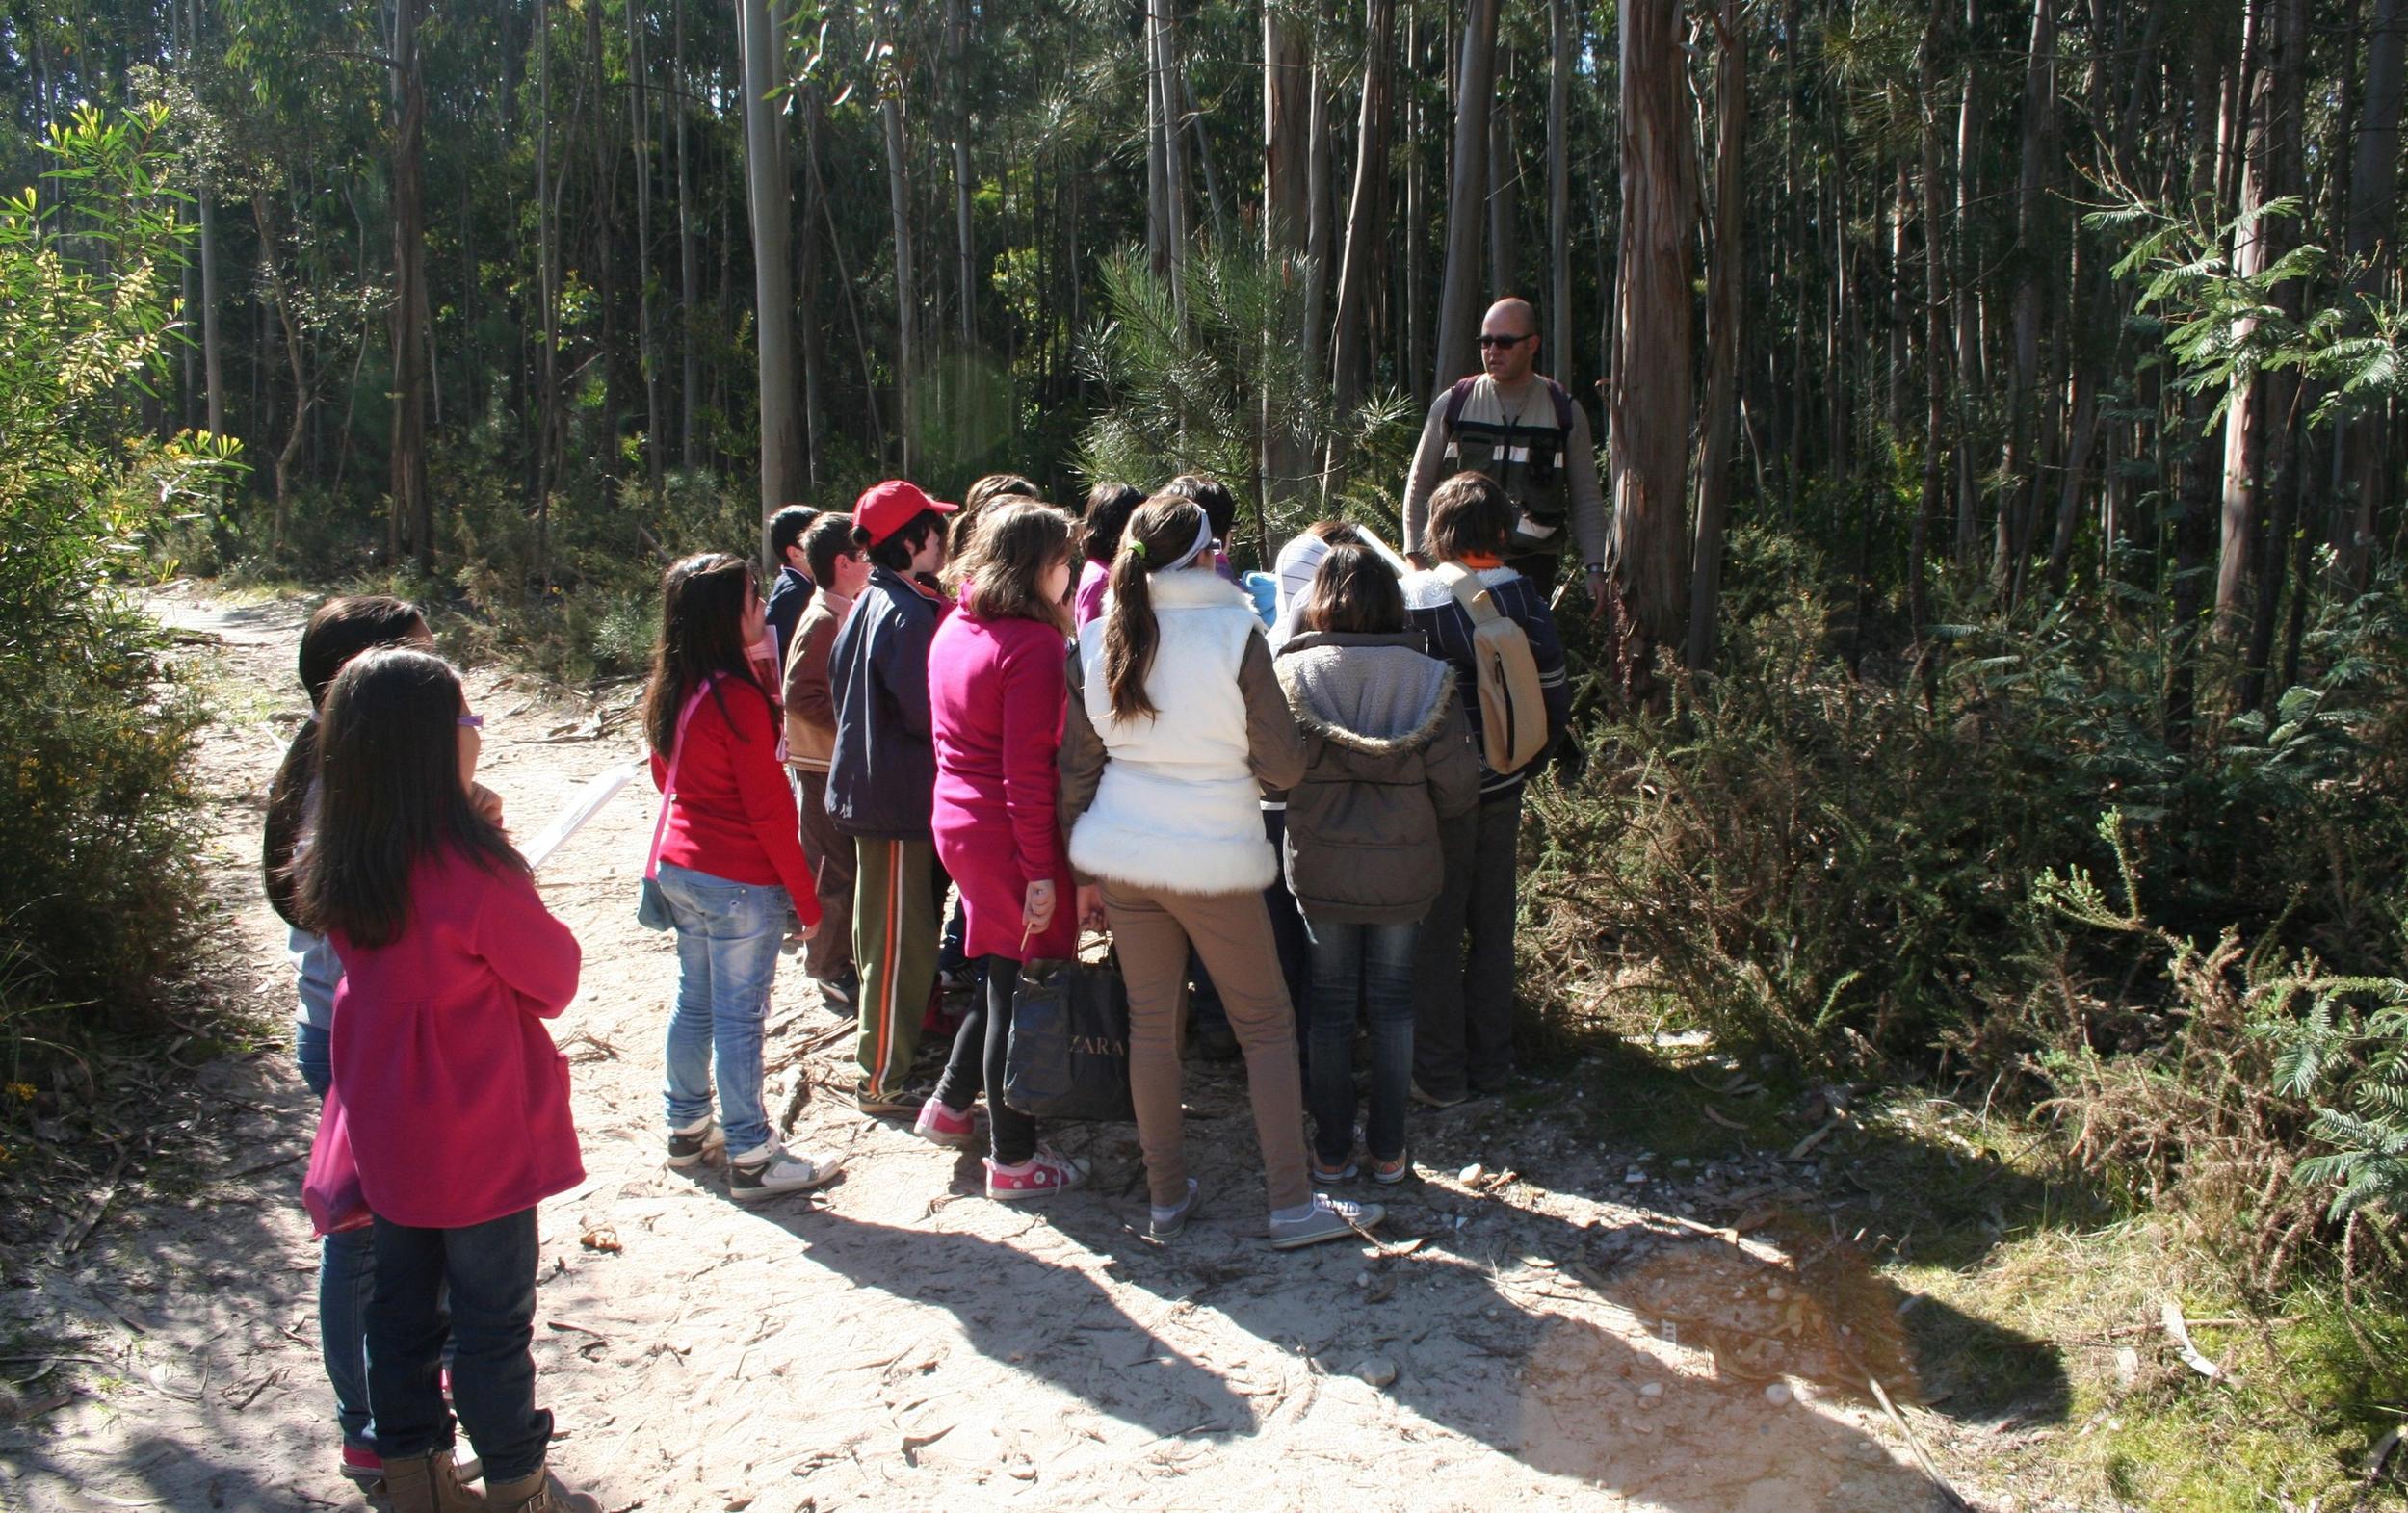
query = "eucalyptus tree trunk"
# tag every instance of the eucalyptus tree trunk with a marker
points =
(647, 354)
(688, 277)
(1177, 231)
(1158, 118)
(1935, 327)
(1504, 253)
(213, 370)
(2255, 248)
(2016, 466)
(812, 333)
(899, 205)
(1559, 188)
(1364, 207)
(1318, 233)
(1287, 222)
(1467, 194)
(967, 251)
(1650, 402)
(771, 212)
(1723, 315)
(411, 501)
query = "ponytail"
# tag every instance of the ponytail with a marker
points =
(1164, 528)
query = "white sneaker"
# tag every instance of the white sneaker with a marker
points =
(697, 1142)
(1331, 1218)
(770, 1170)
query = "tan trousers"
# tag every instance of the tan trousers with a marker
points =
(1231, 932)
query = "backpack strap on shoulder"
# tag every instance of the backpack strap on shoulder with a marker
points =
(1457, 397)
(1469, 591)
(1563, 407)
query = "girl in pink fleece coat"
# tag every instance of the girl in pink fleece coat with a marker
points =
(996, 688)
(456, 1101)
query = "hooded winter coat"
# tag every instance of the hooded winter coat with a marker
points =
(1388, 755)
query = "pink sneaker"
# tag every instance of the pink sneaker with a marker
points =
(1040, 1176)
(939, 1125)
(364, 1468)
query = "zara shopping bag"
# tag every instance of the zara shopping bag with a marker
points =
(1068, 1056)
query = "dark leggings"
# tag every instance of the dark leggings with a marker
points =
(978, 1063)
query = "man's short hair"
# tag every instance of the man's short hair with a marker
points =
(786, 528)
(1468, 514)
(829, 538)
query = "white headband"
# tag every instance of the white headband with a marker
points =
(1203, 541)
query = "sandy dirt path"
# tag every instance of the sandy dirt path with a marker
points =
(1561, 1334)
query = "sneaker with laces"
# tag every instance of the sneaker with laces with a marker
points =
(840, 996)
(1391, 1172)
(939, 1125)
(771, 1171)
(1328, 1218)
(880, 1104)
(1040, 1176)
(1344, 1171)
(697, 1142)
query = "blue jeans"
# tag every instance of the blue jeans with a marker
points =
(728, 939)
(1370, 965)
(346, 1275)
(490, 1270)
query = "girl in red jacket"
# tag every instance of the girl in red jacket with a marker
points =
(996, 688)
(455, 1100)
(731, 863)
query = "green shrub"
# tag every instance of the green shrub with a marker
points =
(98, 896)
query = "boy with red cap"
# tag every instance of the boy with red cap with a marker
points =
(882, 779)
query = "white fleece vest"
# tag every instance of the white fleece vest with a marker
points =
(1176, 809)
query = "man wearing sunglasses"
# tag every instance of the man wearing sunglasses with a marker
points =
(1521, 429)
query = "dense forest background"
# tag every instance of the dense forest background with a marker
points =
(2004, 685)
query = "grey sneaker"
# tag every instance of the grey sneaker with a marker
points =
(1161, 1229)
(770, 1172)
(1331, 1218)
(697, 1142)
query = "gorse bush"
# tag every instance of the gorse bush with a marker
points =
(98, 897)
(1842, 865)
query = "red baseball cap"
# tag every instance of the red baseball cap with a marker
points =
(884, 509)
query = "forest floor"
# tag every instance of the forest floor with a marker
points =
(1590, 1299)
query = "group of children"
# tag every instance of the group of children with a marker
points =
(1279, 803)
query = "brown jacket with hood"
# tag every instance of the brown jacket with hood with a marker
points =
(1388, 755)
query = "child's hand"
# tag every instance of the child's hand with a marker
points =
(801, 934)
(1036, 911)
(1091, 907)
(487, 802)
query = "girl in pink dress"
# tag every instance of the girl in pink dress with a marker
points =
(996, 688)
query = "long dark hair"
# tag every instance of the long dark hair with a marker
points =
(1354, 590)
(1163, 529)
(341, 630)
(703, 633)
(1108, 506)
(389, 795)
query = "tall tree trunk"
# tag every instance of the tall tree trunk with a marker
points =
(1176, 225)
(1467, 194)
(212, 368)
(2017, 467)
(771, 212)
(1287, 221)
(647, 356)
(689, 286)
(1966, 353)
(1935, 328)
(1650, 406)
(2255, 247)
(965, 250)
(1371, 176)
(1504, 203)
(1559, 188)
(2372, 239)
(899, 205)
(1723, 315)
(412, 501)
(1193, 117)
(813, 332)
(1318, 235)
(1158, 127)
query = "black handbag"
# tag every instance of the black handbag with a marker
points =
(1068, 1054)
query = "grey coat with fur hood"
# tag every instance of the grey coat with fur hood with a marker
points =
(1388, 754)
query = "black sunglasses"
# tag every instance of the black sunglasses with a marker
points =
(1505, 341)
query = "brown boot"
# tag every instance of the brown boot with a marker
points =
(429, 1483)
(539, 1492)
